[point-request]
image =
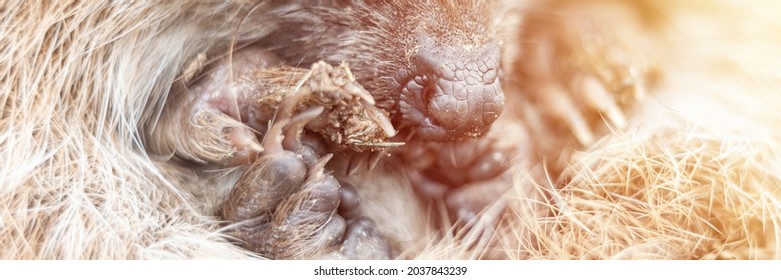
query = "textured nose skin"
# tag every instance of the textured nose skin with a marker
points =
(462, 97)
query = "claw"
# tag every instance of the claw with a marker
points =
(564, 108)
(356, 161)
(596, 96)
(318, 168)
(272, 141)
(375, 157)
(292, 137)
(379, 117)
(365, 96)
(246, 144)
(370, 160)
(288, 105)
(635, 79)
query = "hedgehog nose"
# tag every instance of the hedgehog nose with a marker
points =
(463, 93)
(463, 109)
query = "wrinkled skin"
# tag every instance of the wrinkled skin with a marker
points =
(451, 93)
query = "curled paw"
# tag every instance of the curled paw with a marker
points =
(205, 117)
(286, 205)
(581, 70)
(285, 201)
